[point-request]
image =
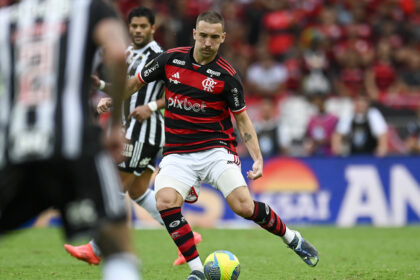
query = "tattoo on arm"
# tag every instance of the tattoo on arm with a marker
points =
(247, 137)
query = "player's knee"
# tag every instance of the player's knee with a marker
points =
(244, 209)
(166, 198)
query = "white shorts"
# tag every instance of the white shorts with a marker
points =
(216, 167)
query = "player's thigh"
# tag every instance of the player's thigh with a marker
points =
(175, 172)
(224, 171)
(140, 184)
(127, 179)
(234, 188)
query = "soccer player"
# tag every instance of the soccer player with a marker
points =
(51, 153)
(202, 90)
(144, 129)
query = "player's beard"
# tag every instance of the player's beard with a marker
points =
(142, 42)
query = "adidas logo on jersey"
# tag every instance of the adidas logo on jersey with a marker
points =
(176, 76)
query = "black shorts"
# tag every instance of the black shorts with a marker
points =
(85, 191)
(139, 156)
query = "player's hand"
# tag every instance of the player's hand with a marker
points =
(104, 105)
(257, 170)
(141, 113)
(96, 82)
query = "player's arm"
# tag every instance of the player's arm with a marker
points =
(143, 112)
(110, 34)
(152, 71)
(133, 85)
(249, 136)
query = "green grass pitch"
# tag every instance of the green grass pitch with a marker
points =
(345, 253)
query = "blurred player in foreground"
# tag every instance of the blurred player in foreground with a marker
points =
(51, 153)
(143, 125)
(202, 90)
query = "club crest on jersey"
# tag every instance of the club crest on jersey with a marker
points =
(208, 84)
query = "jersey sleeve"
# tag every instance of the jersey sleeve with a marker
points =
(235, 94)
(344, 125)
(154, 69)
(377, 122)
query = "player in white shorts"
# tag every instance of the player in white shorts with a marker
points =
(185, 172)
(202, 91)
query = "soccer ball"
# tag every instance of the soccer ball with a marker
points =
(222, 265)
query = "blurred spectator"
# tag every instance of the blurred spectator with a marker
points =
(381, 77)
(357, 36)
(328, 25)
(412, 142)
(281, 25)
(316, 65)
(266, 77)
(365, 130)
(410, 74)
(293, 65)
(349, 81)
(412, 20)
(295, 112)
(272, 137)
(320, 128)
(286, 49)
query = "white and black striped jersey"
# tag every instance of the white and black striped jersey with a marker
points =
(150, 131)
(45, 64)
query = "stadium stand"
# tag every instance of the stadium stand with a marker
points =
(340, 46)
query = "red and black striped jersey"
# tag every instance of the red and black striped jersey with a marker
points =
(199, 99)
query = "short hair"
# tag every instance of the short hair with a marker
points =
(142, 12)
(210, 17)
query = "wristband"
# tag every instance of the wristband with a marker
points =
(152, 106)
(101, 85)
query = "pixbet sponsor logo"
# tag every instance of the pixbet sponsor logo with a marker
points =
(186, 105)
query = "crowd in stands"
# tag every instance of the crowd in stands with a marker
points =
(322, 77)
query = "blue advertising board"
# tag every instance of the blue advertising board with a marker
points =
(335, 191)
(332, 191)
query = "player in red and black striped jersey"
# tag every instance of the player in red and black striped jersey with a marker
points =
(198, 100)
(202, 90)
